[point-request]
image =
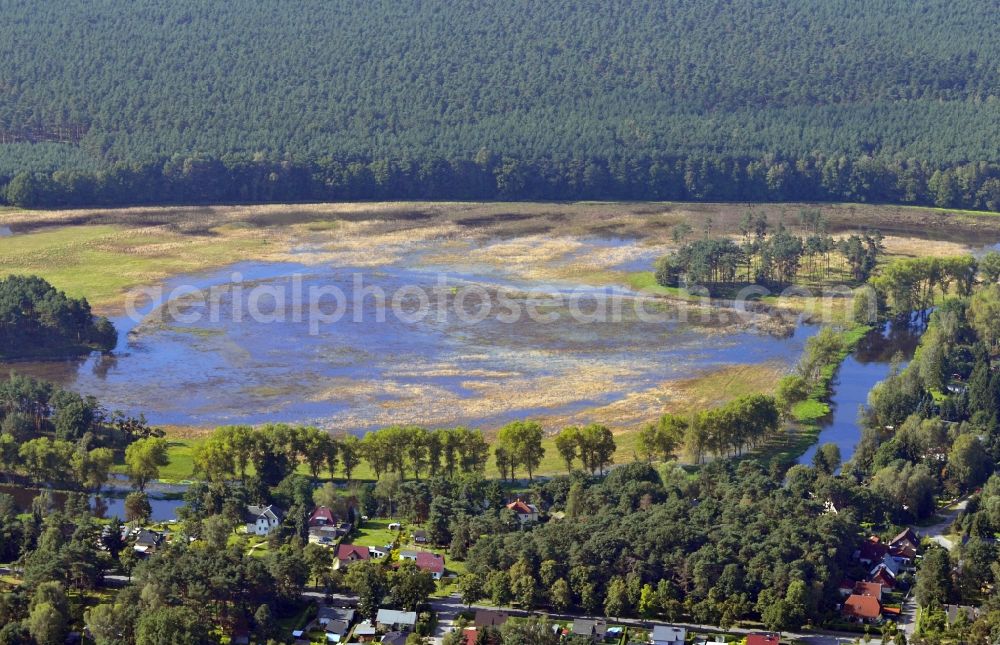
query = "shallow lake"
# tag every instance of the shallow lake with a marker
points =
(459, 341)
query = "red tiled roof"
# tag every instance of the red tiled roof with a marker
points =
(762, 639)
(873, 549)
(322, 516)
(520, 507)
(352, 552)
(884, 578)
(471, 635)
(868, 589)
(867, 607)
(430, 562)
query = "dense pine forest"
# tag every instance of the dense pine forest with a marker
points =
(187, 101)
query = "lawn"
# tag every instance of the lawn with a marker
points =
(376, 533)
(100, 262)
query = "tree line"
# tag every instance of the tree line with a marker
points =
(238, 178)
(54, 436)
(913, 83)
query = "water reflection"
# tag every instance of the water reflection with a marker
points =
(870, 363)
(357, 376)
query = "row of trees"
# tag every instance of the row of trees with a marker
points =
(37, 319)
(728, 429)
(274, 451)
(186, 180)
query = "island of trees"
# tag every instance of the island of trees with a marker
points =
(38, 320)
(768, 256)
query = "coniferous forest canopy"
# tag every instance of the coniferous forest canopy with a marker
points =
(186, 101)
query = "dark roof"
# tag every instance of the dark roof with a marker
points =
(489, 617)
(395, 638)
(271, 512)
(873, 550)
(588, 627)
(148, 538)
(906, 535)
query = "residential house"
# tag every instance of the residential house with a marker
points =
(147, 542)
(490, 618)
(426, 561)
(889, 564)
(872, 551)
(764, 638)
(525, 512)
(336, 621)
(365, 632)
(322, 516)
(324, 535)
(906, 539)
(348, 554)
(846, 587)
(393, 620)
(863, 609)
(667, 635)
(884, 577)
(261, 520)
(594, 629)
(869, 589)
(419, 536)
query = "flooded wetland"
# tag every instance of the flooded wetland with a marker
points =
(449, 315)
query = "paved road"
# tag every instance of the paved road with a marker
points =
(936, 532)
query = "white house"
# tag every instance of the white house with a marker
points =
(261, 520)
(526, 513)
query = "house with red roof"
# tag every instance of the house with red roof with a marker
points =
(348, 554)
(766, 638)
(869, 589)
(525, 512)
(425, 561)
(872, 550)
(322, 516)
(863, 609)
(883, 576)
